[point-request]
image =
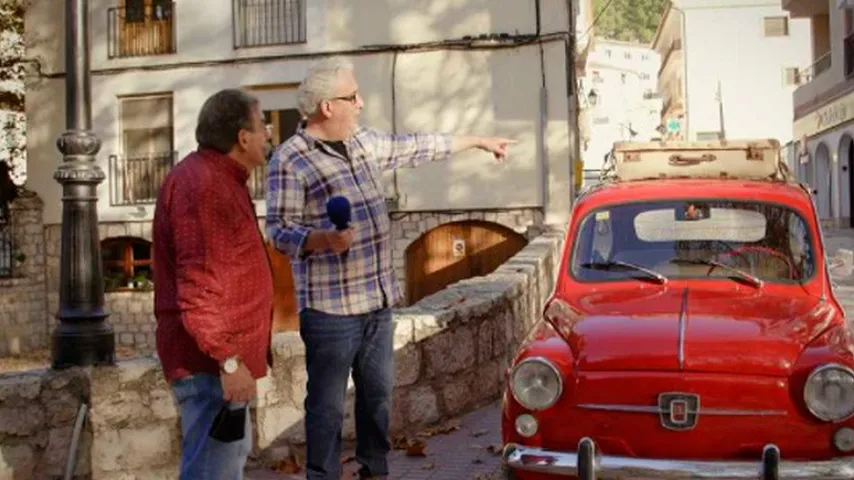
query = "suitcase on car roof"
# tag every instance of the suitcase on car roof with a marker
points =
(726, 159)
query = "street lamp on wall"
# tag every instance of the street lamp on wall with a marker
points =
(83, 337)
(592, 98)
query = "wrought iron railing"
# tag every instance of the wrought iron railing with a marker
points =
(136, 180)
(268, 22)
(135, 32)
(821, 65)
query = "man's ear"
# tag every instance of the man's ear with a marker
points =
(325, 109)
(243, 139)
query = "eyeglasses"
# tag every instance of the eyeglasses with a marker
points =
(349, 98)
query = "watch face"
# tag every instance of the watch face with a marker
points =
(230, 365)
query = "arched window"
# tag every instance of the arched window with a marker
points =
(127, 264)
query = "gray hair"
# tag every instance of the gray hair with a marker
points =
(320, 83)
(222, 117)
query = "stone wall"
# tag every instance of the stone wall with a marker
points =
(452, 351)
(132, 313)
(23, 322)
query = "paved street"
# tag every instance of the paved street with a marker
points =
(465, 453)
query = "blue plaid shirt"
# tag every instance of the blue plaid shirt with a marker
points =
(303, 174)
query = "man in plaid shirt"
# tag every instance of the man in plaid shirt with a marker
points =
(345, 280)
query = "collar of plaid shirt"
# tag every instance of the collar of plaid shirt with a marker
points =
(303, 174)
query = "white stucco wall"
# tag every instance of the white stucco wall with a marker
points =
(479, 92)
(724, 42)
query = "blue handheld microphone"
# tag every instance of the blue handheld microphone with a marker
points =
(339, 212)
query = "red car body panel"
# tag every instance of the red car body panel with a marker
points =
(743, 349)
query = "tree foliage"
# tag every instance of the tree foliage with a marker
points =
(12, 75)
(628, 20)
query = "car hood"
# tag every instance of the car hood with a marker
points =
(682, 329)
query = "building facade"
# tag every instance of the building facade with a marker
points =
(620, 90)
(822, 151)
(490, 68)
(729, 68)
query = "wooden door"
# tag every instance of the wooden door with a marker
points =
(285, 314)
(456, 251)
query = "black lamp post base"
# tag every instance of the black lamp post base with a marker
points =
(83, 345)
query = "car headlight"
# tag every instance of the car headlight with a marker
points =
(829, 392)
(536, 383)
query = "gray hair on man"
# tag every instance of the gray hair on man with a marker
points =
(320, 83)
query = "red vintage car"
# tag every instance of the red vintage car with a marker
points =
(692, 332)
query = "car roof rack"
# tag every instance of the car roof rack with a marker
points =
(758, 160)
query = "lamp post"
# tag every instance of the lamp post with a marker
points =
(83, 336)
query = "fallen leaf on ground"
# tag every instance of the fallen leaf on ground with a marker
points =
(477, 461)
(428, 466)
(416, 448)
(399, 442)
(445, 428)
(495, 448)
(288, 465)
(481, 476)
(479, 433)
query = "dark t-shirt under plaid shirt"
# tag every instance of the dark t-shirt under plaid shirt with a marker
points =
(303, 174)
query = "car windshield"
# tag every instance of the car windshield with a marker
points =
(657, 241)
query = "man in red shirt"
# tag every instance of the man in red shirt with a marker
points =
(213, 289)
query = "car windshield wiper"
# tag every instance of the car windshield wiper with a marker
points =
(616, 264)
(749, 278)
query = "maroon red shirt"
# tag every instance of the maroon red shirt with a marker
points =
(213, 288)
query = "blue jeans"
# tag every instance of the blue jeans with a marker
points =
(335, 345)
(203, 458)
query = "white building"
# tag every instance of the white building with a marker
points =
(822, 151)
(501, 67)
(620, 90)
(729, 68)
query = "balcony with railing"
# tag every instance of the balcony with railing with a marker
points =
(136, 31)
(136, 180)
(268, 22)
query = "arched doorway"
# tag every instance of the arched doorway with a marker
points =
(285, 315)
(456, 251)
(846, 178)
(821, 185)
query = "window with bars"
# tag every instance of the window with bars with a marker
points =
(269, 22)
(776, 26)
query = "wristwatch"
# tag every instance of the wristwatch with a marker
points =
(230, 364)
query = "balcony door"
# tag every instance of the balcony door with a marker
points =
(147, 146)
(146, 27)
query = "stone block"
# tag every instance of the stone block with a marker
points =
(407, 365)
(21, 386)
(485, 337)
(119, 409)
(115, 450)
(16, 462)
(55, 456)
(422, 405)
(163, 404)
(449, 352)
(276, 424)
(21, 421)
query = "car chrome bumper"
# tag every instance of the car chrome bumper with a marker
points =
(587, 464)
